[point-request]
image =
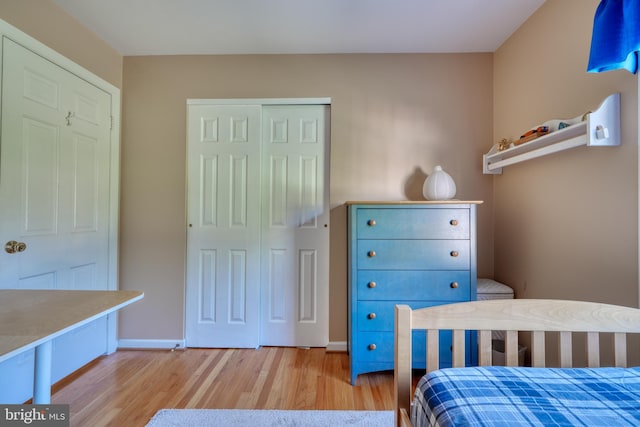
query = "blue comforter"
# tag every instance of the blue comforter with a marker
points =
(508, 396)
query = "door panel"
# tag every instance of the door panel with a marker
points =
(54, 190)
(223, 259)
(55, 174)
(295, 234)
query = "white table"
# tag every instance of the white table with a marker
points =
(33, 318)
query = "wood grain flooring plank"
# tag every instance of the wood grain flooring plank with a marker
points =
(128, 387)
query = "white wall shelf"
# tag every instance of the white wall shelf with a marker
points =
(601, 128)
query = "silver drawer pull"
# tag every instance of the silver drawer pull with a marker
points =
(371, 254)
(371, 316)
(372, 285)
(453, 222)
(454, 253)
(371, 222)
(372, 347)
(453, 285)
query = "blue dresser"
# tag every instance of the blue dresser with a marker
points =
(416, 253)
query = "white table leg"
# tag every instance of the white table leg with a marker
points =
(42, 374)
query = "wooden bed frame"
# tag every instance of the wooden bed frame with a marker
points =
(511, 316)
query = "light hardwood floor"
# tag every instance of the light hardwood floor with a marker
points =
(129, 386)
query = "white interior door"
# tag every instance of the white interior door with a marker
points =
(258, 215)
(223, 250)
(54, 191)
(55, 175)
(295, 220)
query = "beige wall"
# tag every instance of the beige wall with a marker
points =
(46, 22)
(393, 117)
(566, 225)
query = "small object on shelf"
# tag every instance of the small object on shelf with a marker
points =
(563, 125)
(439, 185)
(503, 144)
(532, 134)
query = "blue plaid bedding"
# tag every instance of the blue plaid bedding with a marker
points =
(508, 396)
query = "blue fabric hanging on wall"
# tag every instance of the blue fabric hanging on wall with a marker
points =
(616, 36)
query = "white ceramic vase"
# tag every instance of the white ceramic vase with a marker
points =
(439, 185)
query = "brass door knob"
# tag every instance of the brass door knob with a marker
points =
(371, 254)
(371, 285)
(372, 347)
(12, 247)
(371, 316)
(453, 222)
(371, 222)
(454, 253)
(453, 285)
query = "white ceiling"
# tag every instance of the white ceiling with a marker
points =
(167, 27)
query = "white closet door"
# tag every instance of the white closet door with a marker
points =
(258, 237)
(54, 192)
(223, 248)
(295, 220)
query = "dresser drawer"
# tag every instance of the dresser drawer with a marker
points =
(412, 223)
(413, 254)
(392, 285)
(378, 347)
(379, 315)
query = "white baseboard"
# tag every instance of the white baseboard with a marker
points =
(151, 344)
(337, 346)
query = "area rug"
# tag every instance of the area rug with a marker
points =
(269, 418)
